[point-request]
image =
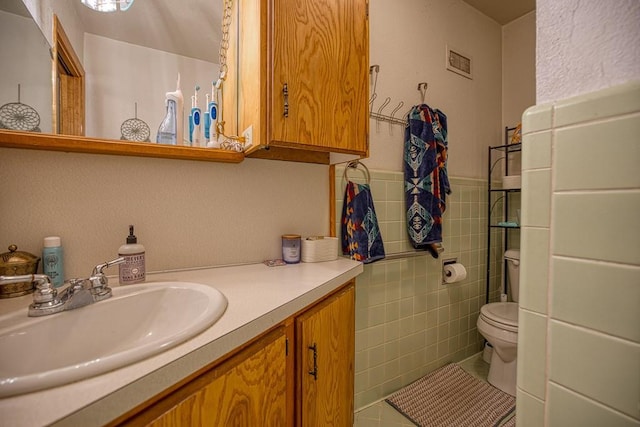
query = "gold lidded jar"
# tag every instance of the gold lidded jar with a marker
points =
(16, 263)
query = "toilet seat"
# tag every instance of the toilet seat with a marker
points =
(503, 315)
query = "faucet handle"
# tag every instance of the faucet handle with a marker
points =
(99, 283)
(97, 270)
(45, 297)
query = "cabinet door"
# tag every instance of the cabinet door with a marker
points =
(326, 346)
(247, 390)
(320, 51)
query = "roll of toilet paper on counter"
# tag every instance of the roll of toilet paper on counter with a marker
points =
(454, 273)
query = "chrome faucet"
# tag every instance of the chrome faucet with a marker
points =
(79, 292)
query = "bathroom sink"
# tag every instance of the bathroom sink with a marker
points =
(138, 321)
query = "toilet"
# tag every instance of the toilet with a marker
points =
(498, 324)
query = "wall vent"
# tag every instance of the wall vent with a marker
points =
(460, 63)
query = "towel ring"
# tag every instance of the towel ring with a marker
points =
(354, 165)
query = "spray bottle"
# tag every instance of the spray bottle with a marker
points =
(170, 130)
(194, 136)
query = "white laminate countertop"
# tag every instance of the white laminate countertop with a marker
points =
(259, 297)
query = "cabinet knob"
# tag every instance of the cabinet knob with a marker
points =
(314, 372)
(285, 95)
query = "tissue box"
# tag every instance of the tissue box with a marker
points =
(320, 249)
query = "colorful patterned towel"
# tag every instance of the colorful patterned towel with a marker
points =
(425, 174)
(361, 238)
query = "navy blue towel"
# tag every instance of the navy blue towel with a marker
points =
(425, 175)
(361, 238)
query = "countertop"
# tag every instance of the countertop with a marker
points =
(259, 297)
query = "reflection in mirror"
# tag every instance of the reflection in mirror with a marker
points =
(131, 59)
(25, 71)
(68, 75)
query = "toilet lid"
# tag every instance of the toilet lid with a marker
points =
(505, 313)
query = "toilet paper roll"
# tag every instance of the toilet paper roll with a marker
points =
(454, 273)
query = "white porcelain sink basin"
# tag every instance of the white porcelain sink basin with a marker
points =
(138, 321)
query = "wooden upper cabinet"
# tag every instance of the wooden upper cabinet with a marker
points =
(312, 59)
(325, 337)
(320, 56)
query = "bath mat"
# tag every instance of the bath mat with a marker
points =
(449, 397)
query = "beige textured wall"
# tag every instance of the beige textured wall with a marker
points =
(518, 68)
(186, 213)
(408, 41)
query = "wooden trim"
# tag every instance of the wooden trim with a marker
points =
(332, 201)
(291, 371)
(76, 144)
(291, 154)
(68, 85)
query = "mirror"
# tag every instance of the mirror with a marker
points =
(25, 70)
(131, 59)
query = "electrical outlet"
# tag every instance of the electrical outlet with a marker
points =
(248, 136)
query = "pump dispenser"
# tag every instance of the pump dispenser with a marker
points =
(133, 269)
(171, 130)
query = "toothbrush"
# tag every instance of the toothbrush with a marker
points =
(214, 114)
(207, 123)
(212, 107)
(191, 123)
(196, 119)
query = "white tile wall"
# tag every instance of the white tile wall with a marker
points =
(407, 322)
(580, 317)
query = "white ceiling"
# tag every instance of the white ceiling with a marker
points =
(192, 28)
(503, 11)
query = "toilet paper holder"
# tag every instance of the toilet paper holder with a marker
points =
(446, 262)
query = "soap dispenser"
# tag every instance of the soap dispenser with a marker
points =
(133, 269)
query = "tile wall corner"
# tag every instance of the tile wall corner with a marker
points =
(580, 282)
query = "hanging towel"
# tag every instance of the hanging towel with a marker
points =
(425, 175)
(361, 238)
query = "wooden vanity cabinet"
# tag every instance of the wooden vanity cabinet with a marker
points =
(300, 373)
(325, 338)
(303, 73)
(248, 389)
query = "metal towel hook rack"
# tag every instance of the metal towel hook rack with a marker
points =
(422, 88)
(374, 70)
(378, 114)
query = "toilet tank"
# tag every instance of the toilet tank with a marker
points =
(512, 258)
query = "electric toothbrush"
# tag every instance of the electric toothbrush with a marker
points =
(190, 124)
(194, 136)
(207, 123)
(213, 109)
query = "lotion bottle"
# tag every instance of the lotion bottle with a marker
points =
(52, 260)
(133, 269)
